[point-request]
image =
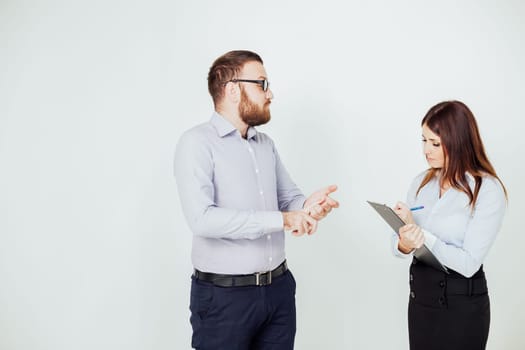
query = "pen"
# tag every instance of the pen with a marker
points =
(417, 208)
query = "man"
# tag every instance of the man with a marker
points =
(238, 200)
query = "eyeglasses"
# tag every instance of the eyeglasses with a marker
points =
(264, 84)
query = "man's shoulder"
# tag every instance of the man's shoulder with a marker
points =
(195, 138)
(199, 132)
(264, 138)
(201, 129)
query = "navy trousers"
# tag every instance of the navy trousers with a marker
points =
(243, 318)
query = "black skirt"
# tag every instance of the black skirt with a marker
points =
(447, 311)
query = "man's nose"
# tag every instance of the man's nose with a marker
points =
(269, 94)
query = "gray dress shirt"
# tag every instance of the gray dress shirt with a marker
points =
(232, 192)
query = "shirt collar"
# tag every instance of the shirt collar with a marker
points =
(224, 127)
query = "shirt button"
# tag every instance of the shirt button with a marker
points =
(269, 237)
(412, 295)
(442, 284)
(270, 258)
(250, 150)
(261, 193)
(257, 171)
(411, 277)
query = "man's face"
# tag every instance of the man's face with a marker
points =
(254, 105)
(251, 113)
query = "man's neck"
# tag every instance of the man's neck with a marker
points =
(234, 118)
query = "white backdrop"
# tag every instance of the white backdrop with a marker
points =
(94, 250)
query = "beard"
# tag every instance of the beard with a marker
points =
(252, 114)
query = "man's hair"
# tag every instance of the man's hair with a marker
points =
(226, 68)
(455, 124)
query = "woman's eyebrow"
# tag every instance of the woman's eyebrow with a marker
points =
(429, 138)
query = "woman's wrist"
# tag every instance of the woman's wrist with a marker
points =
(403, 248)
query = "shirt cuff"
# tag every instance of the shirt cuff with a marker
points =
(430, 239)
(399, 253)
(272, 221)
(297, 204)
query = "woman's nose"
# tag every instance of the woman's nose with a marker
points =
(426, 148)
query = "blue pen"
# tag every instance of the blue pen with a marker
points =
(417, 208)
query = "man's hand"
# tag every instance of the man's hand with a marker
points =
(299, 223)
(319, 204)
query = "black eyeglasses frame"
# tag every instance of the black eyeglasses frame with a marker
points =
(263, 83)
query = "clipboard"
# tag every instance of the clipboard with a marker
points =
(423, 254)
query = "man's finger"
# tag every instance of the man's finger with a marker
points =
(312, 222)
(306, 227)
(325, 205)
(296, 233)
(299, 229)
(313, 228)
(319, 209)
(330, 189)
(332, 202)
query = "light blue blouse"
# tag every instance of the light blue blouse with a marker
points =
(457, 235)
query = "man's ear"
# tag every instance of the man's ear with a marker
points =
(232, 92)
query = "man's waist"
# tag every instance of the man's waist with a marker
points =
(237, 256)
(240, 280)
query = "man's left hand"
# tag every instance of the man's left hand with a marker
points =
(319, 204)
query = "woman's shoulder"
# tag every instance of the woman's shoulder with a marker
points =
(490, 186)
(490, 182)
(487, 181)
(417, 181)
(419, 177)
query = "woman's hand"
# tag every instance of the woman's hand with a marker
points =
(402, 210)
(410, 237)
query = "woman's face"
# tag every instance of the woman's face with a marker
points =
(432, 148)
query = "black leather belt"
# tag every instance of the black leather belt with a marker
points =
(255, 279)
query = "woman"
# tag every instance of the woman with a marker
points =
(461, 203)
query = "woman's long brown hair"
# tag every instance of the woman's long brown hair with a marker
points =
(464, 153)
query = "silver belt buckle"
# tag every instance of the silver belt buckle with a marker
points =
(268, 278)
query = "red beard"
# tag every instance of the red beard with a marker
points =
(252, 114)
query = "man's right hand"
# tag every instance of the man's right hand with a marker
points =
(299, 223)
